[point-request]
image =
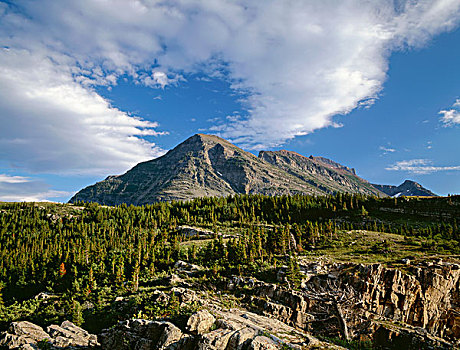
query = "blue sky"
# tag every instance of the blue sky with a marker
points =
(88, 90)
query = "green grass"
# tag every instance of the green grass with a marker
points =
(360, 246)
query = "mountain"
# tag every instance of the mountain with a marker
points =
(207, 165)
(407, 188)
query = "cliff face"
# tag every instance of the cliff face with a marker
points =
(207, 165)
(427, 298)
(367, 301)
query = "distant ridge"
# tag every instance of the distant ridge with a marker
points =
(207, 165)
(407, 188)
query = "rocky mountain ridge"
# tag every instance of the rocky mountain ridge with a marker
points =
(207, 165)
(322, 173)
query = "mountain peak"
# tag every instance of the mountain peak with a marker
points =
(410, 183)
(208, 165)
(206, 139)
(203, 165)
(407, 188)
(210, 137)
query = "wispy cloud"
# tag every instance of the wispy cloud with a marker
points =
(9, 179)
(35, 196)
(420, 166)
(387, 150)
(27, 189)
(451, 117)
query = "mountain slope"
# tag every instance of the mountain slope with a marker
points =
(407, 188)
(322, 173)
(207, 165)
(203, 165)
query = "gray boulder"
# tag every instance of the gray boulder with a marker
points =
(28, 330)
(200, 322)
(144, 334)
(25, 335)
(22, 334)
(68, 334)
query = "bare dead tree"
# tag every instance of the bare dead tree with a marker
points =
(339, 297)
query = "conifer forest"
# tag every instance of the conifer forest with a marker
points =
(85, 255)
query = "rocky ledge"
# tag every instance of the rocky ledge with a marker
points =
(25, 335)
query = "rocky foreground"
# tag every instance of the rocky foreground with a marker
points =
(416, 307)
(230, 329)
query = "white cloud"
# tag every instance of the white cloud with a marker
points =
(34, 197)
(26, 189)
(420, 166)
(298, 65)
(51, 123)
(451, 116)
(161, 79)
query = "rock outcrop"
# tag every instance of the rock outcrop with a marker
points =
(231, 330)
(144, 334)
(364, 299)
(417, 308)
(22, 335)
(26, 335)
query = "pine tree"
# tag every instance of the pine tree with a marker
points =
(293, 275)
(76, 313)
